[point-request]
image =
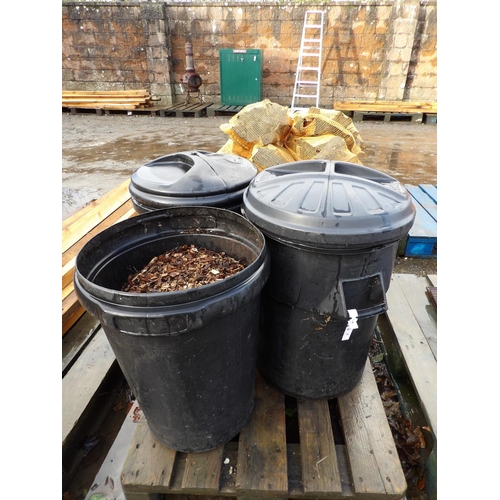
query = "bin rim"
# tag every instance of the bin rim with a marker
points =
(142, 224)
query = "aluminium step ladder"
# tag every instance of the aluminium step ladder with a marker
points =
(308, 75)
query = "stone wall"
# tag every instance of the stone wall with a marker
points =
(372, 49)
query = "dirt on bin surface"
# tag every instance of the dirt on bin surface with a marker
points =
(100, 152)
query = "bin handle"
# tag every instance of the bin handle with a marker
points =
(366, 295)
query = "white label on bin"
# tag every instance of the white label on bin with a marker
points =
(352, 324)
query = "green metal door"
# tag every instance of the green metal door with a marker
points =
(240, 76)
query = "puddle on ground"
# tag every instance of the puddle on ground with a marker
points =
(139, 151)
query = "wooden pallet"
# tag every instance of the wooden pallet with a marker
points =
(422, 237)
(265, 462)
(387, 111)
(224, 110)
(409, 334)
(364, 116)
(106, 111)
(181, 109)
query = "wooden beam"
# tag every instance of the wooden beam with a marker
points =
(386, 106)
(79, 224)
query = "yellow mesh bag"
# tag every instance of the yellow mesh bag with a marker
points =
(234, 148)
(323, 147)
(317, 122)
(261, 123)
(267, 156)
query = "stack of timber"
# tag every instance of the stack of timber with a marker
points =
(388, 110)
(116, 99)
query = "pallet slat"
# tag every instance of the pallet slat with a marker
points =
(148, 461)
(320, 469)
(417, 354)
(181, 109)
(83, 380)
(370, 446)
(224, 110)
(430, 190)
(77, 339)
(412, 287)
(262, 467)
(420, 196)
(202, 473)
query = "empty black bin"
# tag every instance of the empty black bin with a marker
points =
(189, 356)
(191, 178)
(332, 229)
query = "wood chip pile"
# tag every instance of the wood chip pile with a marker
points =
(269, 134)
(182, 268)
(116, 99)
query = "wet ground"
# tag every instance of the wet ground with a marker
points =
(99, 152)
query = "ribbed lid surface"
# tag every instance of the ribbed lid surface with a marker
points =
(328, 204)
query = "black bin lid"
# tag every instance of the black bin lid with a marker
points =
(324, 204)
(191, 178)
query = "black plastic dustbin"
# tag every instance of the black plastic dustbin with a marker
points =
(193, 178)
(332, 229)
(188, 356)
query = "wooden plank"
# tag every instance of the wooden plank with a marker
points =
(77, 339)
(102, 106)
(202, 472)
(83, 380)
(71, 307)
(381, 105)
(433, 279)
(67, 290)
(413, 288)
(430, 190)
(418, 357)
(69, 257)
(104, 92)
(262, 462)
(112, 99)
(79, 224)
(373, 458)
(106, 484)
(71, 311)
(425, 201)
(149, 464)
(320, 469)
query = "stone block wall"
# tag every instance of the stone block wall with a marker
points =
(372, 49)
